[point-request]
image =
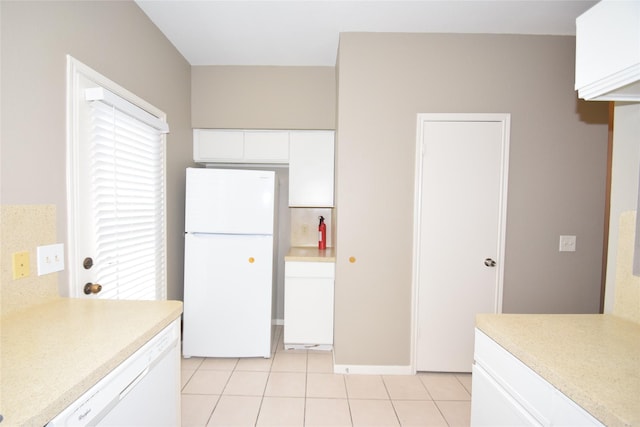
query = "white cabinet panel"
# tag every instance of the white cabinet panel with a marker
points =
(266, 146)
(505, 391)
(534, 393)
(608, 52)
(217, 145)
(308, 303)
(311, 167)
(240, 146)
(492, 406)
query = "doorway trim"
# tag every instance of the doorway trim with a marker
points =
(505, 119)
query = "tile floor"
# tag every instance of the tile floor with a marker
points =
(299, 388)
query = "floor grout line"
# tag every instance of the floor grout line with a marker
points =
(320, 367)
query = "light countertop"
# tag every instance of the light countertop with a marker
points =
(310, 254)
(54, 352)
(593, 359)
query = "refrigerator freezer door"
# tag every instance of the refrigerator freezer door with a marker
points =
(229, 201)
(227, 295)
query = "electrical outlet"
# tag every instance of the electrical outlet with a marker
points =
(50, 258)
(20, 265)
(567, 243)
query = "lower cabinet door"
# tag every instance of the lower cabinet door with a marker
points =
(492, 406)
(308, 310)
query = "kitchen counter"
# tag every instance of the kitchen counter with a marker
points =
(592, 359)
(54, 352)
(310, 254)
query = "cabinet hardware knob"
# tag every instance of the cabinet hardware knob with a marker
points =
(251, 260)
(92, 288)
(352, 259)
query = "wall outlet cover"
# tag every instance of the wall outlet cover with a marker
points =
(20, 264)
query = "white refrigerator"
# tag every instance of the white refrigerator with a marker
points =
(228, 267)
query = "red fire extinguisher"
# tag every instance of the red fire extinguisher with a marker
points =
(322, 234)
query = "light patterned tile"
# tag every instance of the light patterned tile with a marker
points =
(281, 412)
(418, 413)
(191, 363)
(185, 376)
(444, 387)
(286, 384)
(457, 414)
(405, 387)
(366, 387)
(207, 382)
(326, 385)
(320, 361)
(254, 364)
(219, 364)
(234, 411)
(246, 383)
(289, 362)
(327, 412)
(197, 408)
(371, 413)
(465, 380)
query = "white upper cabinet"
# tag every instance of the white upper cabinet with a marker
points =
(240, 146)
(608, 51)
(311, 167)
(309, 154)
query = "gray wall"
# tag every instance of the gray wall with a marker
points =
(116, 39)
(556, 180)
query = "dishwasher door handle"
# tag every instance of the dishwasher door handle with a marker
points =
(133, 383)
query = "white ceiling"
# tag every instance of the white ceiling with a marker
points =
(305, 32)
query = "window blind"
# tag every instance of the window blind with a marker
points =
(127, 202)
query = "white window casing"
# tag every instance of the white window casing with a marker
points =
(117, 190)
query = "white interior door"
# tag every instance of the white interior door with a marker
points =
(460, 220)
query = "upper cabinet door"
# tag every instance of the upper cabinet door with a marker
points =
(218, 145)
(311, 167)
(240, 146)
(266, 146)
(608, 52)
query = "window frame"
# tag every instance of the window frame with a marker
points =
(77, 74)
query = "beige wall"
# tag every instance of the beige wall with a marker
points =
(627, 289)
(116, 39)
(556, 179)
(244, 97)
(624, 185)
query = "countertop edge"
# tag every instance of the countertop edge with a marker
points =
(310, 254)
(541, 365)
(171, 311)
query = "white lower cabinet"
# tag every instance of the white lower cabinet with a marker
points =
(506, 392)
(308, 304)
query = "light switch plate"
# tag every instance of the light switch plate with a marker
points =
(567, 243)
(50, 258)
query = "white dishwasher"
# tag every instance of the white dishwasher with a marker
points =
(144, 390)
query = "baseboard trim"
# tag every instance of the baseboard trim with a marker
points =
(278, 322)
(373, 369)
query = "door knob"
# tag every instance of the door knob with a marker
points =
(92, 288)
(489, 262)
